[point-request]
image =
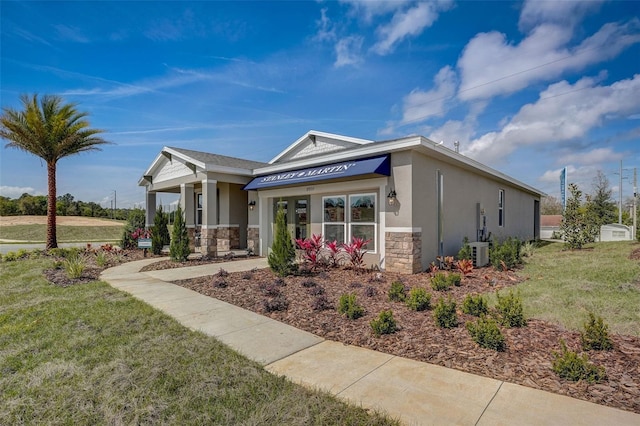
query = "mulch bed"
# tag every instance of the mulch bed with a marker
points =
(526, 361)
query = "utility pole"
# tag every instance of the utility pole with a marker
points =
(635, 205)
(620, 206)
(115, 204)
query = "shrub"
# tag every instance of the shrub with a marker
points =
(527, 249)
(270, 289)
(465, 251)
(279, 303)
(475, 305)
(312, 248)
(397, 292)
(74, 266)
(485, 332)
(316, 291)
(445, 313)
(384, 324)
(247, 275)
(135, 220)
(101, 258)
(222, 273)
(179, 248)
(568, 365)
(509, 310)
(419, 299)
(439, 282)
(454, 279)
(355, 251)
(321, 303)
(370, 291)
(220, 283)
(10, 257)
(308, 283)
(348, 305)
(465, 266)
(595, 335)
(160, 236)
(505, 255)
(283, 254)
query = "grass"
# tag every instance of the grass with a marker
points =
(38, 233)
(564, 285)
(90, 354)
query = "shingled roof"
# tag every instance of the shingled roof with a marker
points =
(220, 160)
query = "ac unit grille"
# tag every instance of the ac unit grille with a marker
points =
(480, 254)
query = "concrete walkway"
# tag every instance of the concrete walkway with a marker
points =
(415, 392)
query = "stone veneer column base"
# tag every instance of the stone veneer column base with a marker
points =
(403, 252)
(253, 240)
(209, 242)
(228, 238)
(191, 233)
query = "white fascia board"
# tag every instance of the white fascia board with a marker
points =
(364, 151)
(229, 170)
(322, 134)
(184, 158)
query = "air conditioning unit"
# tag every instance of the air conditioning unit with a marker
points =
(479, 254)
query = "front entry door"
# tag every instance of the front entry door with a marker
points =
(297, 212)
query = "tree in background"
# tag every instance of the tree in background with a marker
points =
(600, 207)
(283, 254)
(179, 248)
(50, 130)
(160, 236)
(575, 225)
(135, 221)
(550, 205)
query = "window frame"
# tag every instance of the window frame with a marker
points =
(344, 217)
(501, 204)
(352, 223)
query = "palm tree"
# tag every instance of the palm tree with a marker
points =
(50, 130)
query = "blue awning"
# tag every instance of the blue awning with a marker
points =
(375, 165)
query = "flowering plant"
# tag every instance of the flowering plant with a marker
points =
(141, 233)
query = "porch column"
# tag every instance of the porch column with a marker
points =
(187, 203)
(150, 213)
(209, 236)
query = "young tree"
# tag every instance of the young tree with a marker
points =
(575, 227)
(283, 254)
(135, 220)
(50, 130)
(160, 236)
(550, 205)
(600, 207)
(179, 248)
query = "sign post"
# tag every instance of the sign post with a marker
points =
(144, 244)
(563, 188)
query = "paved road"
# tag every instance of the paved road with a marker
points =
(6, 248)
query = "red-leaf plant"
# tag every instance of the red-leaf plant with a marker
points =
(312, 247)
(334, 252)
(356, 251)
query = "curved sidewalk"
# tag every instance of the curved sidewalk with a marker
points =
(415, 392)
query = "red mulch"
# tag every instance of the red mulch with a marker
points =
(526, 361)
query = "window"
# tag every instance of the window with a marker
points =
(501, 207)
(199, 209)
(334, 219)
(362, 211)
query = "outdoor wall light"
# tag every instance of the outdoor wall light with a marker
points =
(252, 205)
(391, 197)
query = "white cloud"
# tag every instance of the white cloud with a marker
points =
(564, 13)
(419, 105)
(491, 65)
(16, 191)
(406, 23)
(70, 34)
(348, 51)
(368, 9)
(588, 158)
(326, 30)
(563, 112)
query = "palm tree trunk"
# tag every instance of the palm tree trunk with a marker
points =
(52, 241)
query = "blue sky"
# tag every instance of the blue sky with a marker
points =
(526, 87)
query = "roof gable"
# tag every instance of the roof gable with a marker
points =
(316, 143)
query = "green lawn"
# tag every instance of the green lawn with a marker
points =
(90, 354)
(38, 233)
(564, 285)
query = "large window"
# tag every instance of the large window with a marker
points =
(501, 207)
(199, 209)
(362, 209)
(359, 221)
(334, 218)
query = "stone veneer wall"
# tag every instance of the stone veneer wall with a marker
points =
(403, 252)
(253, 240)
(228, 238)
(209, 242)
(191, 233)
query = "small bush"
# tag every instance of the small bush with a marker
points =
(465, 251)
(475, 305)
(270, 290)
(445, 313)
(505, 255)
(348, 305)
(308, 283)
(397, 292)
(509, 310)
(222, 273)
(454, 279)
(439, 282)
(355, 285)
(419, 299)
(370, 291)
(10, 257)
(247, 275)
(527, 249)
(568, 365)
(486, 333)
(321, 303)
(278, 303)
(595, 335)
(74, 266)
(279, 281)
(316, 291)
(101, 259)
(220, 283)
(384, 324)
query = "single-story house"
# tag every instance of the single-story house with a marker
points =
(414, 199)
